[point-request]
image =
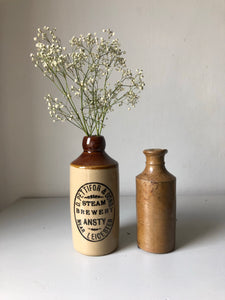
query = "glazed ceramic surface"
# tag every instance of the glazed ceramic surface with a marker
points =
(156, 204)
(94, 199)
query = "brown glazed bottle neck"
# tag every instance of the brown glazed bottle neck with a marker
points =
(93, 143)
(94, 155)
(154, 160)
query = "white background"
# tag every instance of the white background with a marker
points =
(181, 47)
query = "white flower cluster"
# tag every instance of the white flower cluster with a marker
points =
(92, 78)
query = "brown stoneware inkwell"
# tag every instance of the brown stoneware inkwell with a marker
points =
(156, 204)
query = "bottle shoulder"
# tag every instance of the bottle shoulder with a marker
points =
(156, 176)
(94, 160)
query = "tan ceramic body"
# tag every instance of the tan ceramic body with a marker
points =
(156, 205)
(99, 173)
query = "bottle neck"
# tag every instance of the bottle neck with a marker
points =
(154, 160)
(93, 144)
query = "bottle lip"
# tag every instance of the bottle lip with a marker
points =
(155, 151)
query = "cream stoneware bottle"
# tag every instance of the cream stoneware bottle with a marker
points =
(94, 199)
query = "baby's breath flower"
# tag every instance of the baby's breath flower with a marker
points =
(96, 72)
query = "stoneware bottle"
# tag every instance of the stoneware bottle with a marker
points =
(156, 204)
(94, 199)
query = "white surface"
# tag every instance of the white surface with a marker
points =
(38, 261)
(180, 44)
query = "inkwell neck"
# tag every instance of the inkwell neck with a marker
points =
(93, 143)
(154, 159)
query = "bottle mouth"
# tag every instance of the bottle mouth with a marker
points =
(155, 151)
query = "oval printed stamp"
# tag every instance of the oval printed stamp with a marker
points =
(94, 211)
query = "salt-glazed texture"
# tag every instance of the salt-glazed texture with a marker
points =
(156, 205)
(94, 199)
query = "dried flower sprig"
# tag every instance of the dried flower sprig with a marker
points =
(92, 78)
